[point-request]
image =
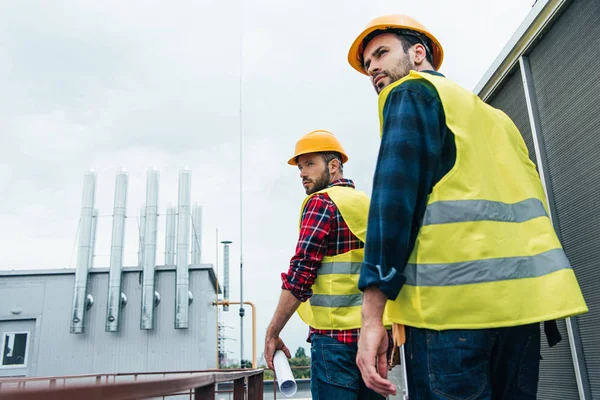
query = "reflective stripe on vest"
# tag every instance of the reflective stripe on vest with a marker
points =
(488, 270)
(445, 212)
(492, 270)
(486, 254)
(336, 301)
(341, 267)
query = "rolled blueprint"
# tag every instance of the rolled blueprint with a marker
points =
(285, 378)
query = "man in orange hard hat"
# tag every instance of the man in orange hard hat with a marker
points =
(460, 248)
(322, 280)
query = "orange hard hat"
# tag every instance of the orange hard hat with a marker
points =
(397, 22)
(317, 141)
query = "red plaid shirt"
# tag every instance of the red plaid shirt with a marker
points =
(323, 232)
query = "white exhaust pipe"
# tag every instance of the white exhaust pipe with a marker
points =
(116, 299)
(197, 234)
(149, 297)
(171, 233)
(84, 253)
(141, 234)
(182, 294)
(93, 238)
(226, 244)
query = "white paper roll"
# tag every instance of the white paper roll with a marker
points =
(285, 378)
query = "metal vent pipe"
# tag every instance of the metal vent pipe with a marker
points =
(150, 236)
(171, 234)
(226, 244)
(93, 238)
(197, 234)
(83, 253)
(141, 234)
(113, 307)
(182, 294)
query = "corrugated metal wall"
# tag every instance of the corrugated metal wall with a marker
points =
(567, 86)
(510, 98)
(557, 375)
(566, 83)
(48, 298)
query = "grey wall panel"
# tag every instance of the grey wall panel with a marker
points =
(510, 98)
(557, 376)
(122, 351)
(26, 294)
(61, 352)
(567, 85)
(182, 349)
(48, 298)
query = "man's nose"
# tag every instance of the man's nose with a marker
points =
(373, 69)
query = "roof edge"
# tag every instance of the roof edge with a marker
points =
(540, 18)
(71, 271)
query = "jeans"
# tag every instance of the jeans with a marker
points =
(334, 374)
(497, 364)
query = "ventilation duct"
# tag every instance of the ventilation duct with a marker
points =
(226, 244)
(149, 246)
(197, 234)
(93, 238)
(141, 233)
(116, 298)
(80, 297)
(182, 294)
(171, 232)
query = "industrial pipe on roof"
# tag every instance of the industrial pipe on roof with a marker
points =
(115, 297)
(83, 254)
(171, 233)
(196, 234)
(93, 238)
(141, 234)
(149, 297)
(226, 244)
(182, 294)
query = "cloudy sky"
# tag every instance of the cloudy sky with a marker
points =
(135, 84)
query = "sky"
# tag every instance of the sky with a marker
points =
(139, 84)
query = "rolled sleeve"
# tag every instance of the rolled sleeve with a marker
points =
(310, 249)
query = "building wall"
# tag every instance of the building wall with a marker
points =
(45, 303)
(567, 87)
(566, 90)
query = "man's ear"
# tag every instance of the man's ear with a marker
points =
(420, 53)
(334, 165)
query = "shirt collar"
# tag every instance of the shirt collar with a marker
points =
(342, 182)
(432, 72)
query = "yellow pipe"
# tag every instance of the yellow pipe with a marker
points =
(226, 303)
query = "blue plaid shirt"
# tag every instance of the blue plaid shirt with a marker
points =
(417, 150)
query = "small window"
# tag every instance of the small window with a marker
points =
(14, 349)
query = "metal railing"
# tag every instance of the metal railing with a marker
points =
(247, 384)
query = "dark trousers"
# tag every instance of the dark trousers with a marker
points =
(334, 374)
(495, 364)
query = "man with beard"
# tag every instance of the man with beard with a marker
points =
(460, 248)
(322, 280)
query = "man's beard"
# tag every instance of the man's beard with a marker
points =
(320, 183)
(398, 72)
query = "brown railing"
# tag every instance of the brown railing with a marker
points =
(247, 384)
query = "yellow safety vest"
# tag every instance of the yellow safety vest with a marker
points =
(336, 301)
(487, 254)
